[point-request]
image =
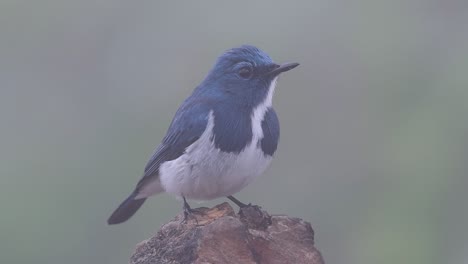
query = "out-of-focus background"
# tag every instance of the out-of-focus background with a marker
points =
(373, 151)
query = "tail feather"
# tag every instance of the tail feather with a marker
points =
(125, 210)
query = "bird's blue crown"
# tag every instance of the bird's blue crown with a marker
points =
(221, 137)
(239, 76)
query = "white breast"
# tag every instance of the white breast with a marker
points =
(204, 172)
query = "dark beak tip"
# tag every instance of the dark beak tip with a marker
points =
(292, 65)
(283, 68)
(286, 67)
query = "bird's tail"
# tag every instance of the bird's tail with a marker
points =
(126, 209)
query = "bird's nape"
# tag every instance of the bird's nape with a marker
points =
(221, 138)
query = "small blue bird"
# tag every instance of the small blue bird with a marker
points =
(221, 138)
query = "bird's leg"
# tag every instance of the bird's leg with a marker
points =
(252, 213)
(239, 203)
(188, 211)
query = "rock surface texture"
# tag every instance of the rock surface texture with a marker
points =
(219, 235)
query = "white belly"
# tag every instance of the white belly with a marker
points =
(205, 173)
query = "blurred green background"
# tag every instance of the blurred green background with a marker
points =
(373, 151)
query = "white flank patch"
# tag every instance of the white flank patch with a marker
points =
(204, 172)
(258, 114)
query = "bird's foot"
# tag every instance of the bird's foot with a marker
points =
(252, 215)
(238, 203)
(190, 213)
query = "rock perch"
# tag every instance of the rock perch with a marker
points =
(219, 235)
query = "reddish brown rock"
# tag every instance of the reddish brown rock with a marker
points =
(221, 236)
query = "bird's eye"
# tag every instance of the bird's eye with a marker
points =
(246, 72)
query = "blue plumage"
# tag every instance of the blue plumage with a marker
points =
(221, 137)
(271, 132)
(186, 127)
(232, 128)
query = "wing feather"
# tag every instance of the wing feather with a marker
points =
(188, 125)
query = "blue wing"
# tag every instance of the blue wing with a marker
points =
(188, 125)
(271, 132)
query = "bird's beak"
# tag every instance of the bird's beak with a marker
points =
(283, 68)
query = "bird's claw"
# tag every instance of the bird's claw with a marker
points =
(191, 213)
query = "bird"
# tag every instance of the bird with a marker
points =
(222, 137)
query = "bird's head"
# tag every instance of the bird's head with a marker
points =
(244, 75)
